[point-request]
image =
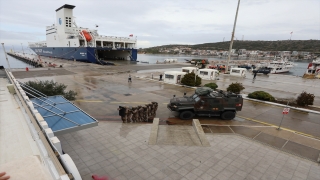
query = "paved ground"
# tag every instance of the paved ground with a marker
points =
(121, 151)
(102, 149)
(19, 154)
(100, 94)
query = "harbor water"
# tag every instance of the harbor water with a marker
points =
(14, 63)
(298, 70)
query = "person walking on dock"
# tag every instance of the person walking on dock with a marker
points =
(160, 79)
(254, 75)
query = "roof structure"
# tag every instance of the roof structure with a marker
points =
(61, 115)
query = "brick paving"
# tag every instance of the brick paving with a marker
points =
(121, 151)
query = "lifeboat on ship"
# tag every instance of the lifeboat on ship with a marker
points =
(86, 35)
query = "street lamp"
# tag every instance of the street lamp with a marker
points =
(195, 75)
(6, 56)
(232, 36)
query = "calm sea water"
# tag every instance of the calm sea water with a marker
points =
(14, 63)
(298, 70)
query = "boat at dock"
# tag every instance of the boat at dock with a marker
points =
(277, 66)
(66, 40)
(313, 69)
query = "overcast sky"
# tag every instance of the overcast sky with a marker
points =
(162, 22)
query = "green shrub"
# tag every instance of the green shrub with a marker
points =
(261, 95)
(235, 87)
(188, 80)
(213, 86)
(51, 88)
(305, 99)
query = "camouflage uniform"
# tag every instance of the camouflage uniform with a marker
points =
(145, 113)
(135, 114)
(129, 114)
(140, 113)
(155, 107)
(149, 110)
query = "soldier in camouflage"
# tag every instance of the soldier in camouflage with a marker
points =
(123, 113)
(154, 109)
(129, 114)
(140, 113)
(145, 113)
(135, 114)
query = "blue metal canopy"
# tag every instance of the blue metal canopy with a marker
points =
(61, 115)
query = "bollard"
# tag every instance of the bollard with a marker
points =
(27, 69)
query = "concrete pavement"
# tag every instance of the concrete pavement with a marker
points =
(109, 148)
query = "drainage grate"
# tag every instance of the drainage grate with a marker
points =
(127, 94)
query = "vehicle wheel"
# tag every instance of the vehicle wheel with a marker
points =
(185, 115)
(228, 115)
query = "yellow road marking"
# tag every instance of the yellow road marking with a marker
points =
(286, 129)
(129, 102)
(79, 100)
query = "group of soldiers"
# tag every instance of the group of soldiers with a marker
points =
(139, 113)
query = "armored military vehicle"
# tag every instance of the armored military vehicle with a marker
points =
(206, 102)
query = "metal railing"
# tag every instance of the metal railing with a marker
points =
(52, 153)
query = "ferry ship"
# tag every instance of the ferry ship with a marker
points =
(66, 40)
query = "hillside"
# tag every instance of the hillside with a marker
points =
(288, 45)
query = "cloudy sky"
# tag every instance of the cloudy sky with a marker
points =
(167, 21)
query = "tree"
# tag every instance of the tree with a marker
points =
(51, 88)
(188, 80)
(235, 87)
(305, 99)
(261, 95)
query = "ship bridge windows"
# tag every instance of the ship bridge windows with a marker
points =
(68, 22)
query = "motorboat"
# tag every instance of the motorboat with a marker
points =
(314, 68)
(280, 66)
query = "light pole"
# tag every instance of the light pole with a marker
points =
(6, 56)
(195, 77)
(232, 36)
(22, 48)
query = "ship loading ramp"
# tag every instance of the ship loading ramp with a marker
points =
(119, 54)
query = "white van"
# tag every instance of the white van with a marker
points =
(188, 69)
(208, 74)
(173, 77)
(240, 72)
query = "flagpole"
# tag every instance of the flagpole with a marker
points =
(232, 36)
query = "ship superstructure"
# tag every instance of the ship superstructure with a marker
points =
(68, 41)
